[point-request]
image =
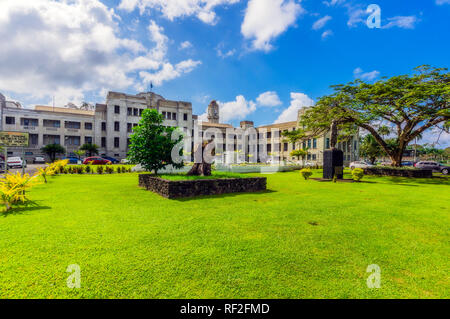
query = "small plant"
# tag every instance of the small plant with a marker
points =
(45, 172)
(99, 169)
(88, 169)
(109, 169)
(13, 188)
(306, 173)
(80, 170)
(357, 174)
(335, 178)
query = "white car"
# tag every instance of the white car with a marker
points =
(16, 162)
(360, 164)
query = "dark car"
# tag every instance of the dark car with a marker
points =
(407, 163)
(95, 160)
(111, 159)
(434, 166)
(72, 159)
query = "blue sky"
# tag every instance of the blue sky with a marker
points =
(261, 59)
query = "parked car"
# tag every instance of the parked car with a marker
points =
(39, 160)
(124, 161)
(385, 163)
(407, 163)
(434, 166)
(111, 159)
(360, 164)
(96, 161)
(72, 159)
(16, 162)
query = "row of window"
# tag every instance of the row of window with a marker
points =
(138, 112)
(48, 123)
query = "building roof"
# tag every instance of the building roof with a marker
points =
(280, 125)
(218, 125)
(65, 110)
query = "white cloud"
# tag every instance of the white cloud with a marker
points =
(298, 101)
(269, 98)
(185, 45)
(172, 9)
(439, 2)
(169, 72)
(71, 48)
(404, 22)
(319, 24)
(326, 34)
(226, 54)
(435, 136)
(265, 20)
(369, 76)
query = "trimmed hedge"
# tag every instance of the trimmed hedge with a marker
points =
(398, 172)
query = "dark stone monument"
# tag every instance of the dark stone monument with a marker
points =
(333, 164)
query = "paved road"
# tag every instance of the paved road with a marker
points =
(30, 169)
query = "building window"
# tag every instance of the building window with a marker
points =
(355, 145)
(293, 146)
(309, 157)
(88, 140)
(285, 147)
(103, 141)
(140, 112)
(34, 139)
(103, 126)
(269, 147)
(117, 109)
(88, 126)
(314, 157)
(315, 143)
(10, 120)
(309, 143)
(129, 111)
(327, 143)
(52, 139)
(117, 126)
(129, 127)
(52, 123)
(135, 112)
(169, 115)
(185, 117)
(29, 122)
(269, 135)
(116, 142)
(174, 116)
(72, 125)
(304, 145)
(128, 142)
(135, 124)
(72, 140)
(164, 115)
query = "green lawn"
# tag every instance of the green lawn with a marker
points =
(300, 239)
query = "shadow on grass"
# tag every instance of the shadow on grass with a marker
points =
(20, 209)
(408, 181)
(228, 195)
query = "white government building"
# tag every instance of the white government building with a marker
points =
(109, 126)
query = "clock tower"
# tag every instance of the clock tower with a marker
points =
(213, 112)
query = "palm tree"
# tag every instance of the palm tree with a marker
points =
(90, 149)
(52, 150)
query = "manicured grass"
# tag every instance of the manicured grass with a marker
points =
(300, 239)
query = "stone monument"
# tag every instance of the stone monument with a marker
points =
(333, 160)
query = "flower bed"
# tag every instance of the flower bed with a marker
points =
(192, 188)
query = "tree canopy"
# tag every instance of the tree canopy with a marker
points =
(52, 150)
(152, 143)
(407, 105)
(90, 149)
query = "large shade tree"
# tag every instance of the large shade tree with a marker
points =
(408, 105)
(153, 144)
(90, 149)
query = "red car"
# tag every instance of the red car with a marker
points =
(96, 161)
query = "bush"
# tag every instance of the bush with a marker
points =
(306, 173)
(358, 174)
(88, 169)
(13, 188)
(99, 169)
(109, 169)
(80, 170)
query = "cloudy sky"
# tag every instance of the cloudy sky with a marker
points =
(261, 59)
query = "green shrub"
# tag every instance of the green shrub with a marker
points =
(109, 169)
(88, 169)
(80, 170)
(358, 174)
(99, 169)
(306, 173)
